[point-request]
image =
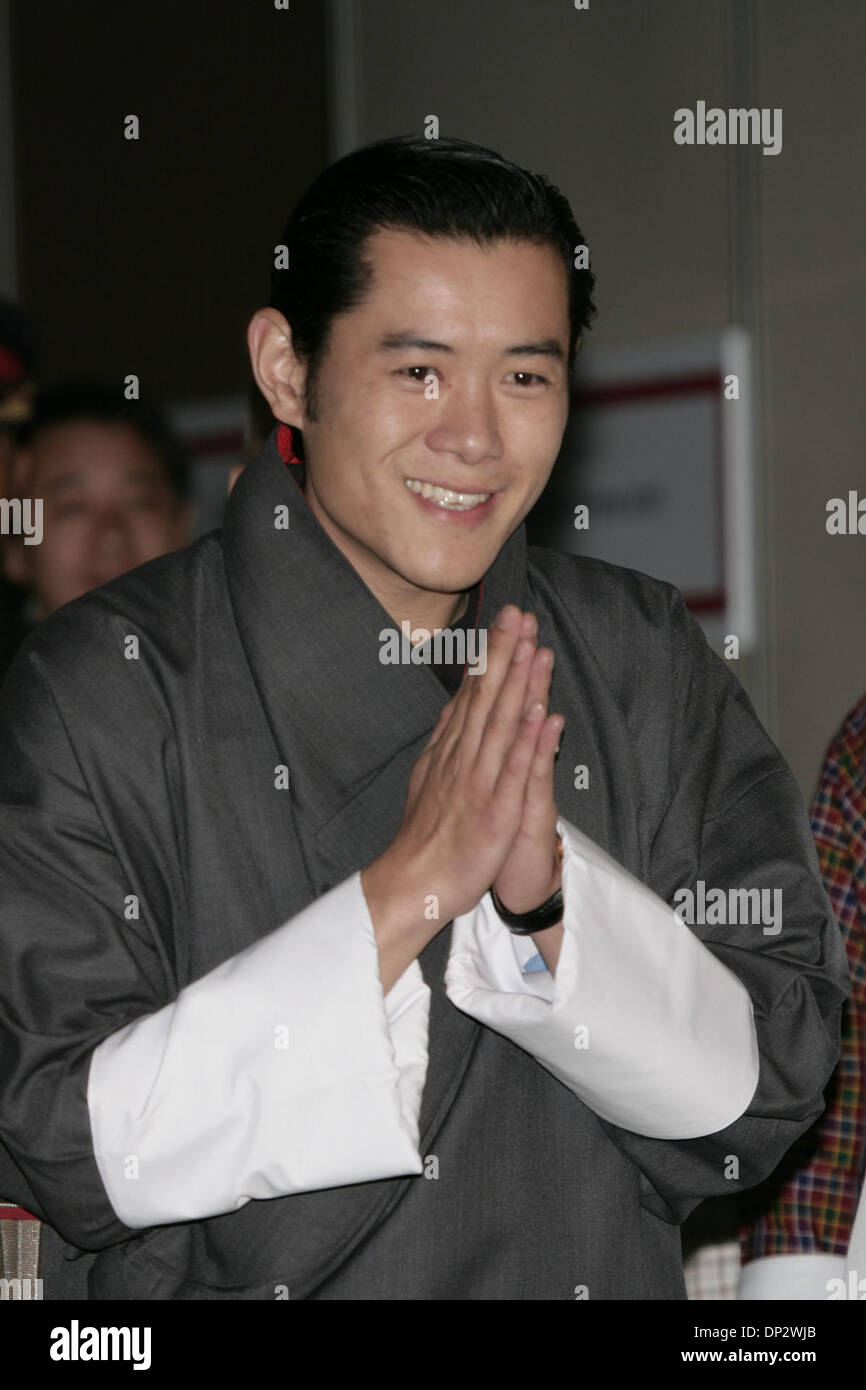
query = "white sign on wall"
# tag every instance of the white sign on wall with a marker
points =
(655, 473)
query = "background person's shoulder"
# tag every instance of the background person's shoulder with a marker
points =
(155, 610)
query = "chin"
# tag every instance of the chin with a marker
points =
(449, 581)
(448, 572)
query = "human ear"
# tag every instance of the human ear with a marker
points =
(279, 372)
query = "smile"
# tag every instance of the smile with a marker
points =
(446, 497)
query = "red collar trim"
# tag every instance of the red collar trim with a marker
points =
(286, 448)
(11, 365)
(285, 444)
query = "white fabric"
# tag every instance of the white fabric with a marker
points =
(196, 1109)
(791, 1276)
(671, 1050)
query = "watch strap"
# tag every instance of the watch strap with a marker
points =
(525, 923)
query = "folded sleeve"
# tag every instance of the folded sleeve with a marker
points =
(284, 1069)
(296, 1083)
(639, 1017)
(704, 1058)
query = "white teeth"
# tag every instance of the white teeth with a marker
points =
(444, 497)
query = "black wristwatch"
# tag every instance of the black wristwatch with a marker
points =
(546, 915)
(525, 923)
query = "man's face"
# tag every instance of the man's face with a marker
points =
(107, 507)
(452, 372)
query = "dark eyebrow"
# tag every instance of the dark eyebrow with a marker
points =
(396, 342)
(547, 347)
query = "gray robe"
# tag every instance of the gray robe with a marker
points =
(155, 776)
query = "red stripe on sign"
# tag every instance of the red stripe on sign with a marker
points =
(638, 390)
(714, 602)
(16, 1214)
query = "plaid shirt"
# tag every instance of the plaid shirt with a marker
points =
(815, 1190)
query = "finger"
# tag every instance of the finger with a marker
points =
(503, 721)
(515, 698)
(510, 787)
(452, 714)
(539, 810)
(539, 806)
(540, 675)
(482, 687)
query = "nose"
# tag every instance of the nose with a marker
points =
(111, 538)
(466, 424)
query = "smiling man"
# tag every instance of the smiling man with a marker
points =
(328, 979)
(489, 326)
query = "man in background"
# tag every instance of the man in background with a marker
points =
(112, 480)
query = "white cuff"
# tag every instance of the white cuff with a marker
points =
(793, 1277)
(283, 1070)
(641, 1021)
(407, 1009)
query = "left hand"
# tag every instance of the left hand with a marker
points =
(532, 871)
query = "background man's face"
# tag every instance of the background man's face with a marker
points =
(107, 507)
(495, 427)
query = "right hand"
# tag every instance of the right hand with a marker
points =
(466, 791)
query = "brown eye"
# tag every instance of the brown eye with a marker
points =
(425, 372)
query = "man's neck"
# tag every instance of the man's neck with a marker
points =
(425, 611)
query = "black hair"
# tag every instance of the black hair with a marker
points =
(105, 404)
(444, 188)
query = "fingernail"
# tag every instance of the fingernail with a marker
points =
(535, 712)
(522, 650)
(506, 619)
